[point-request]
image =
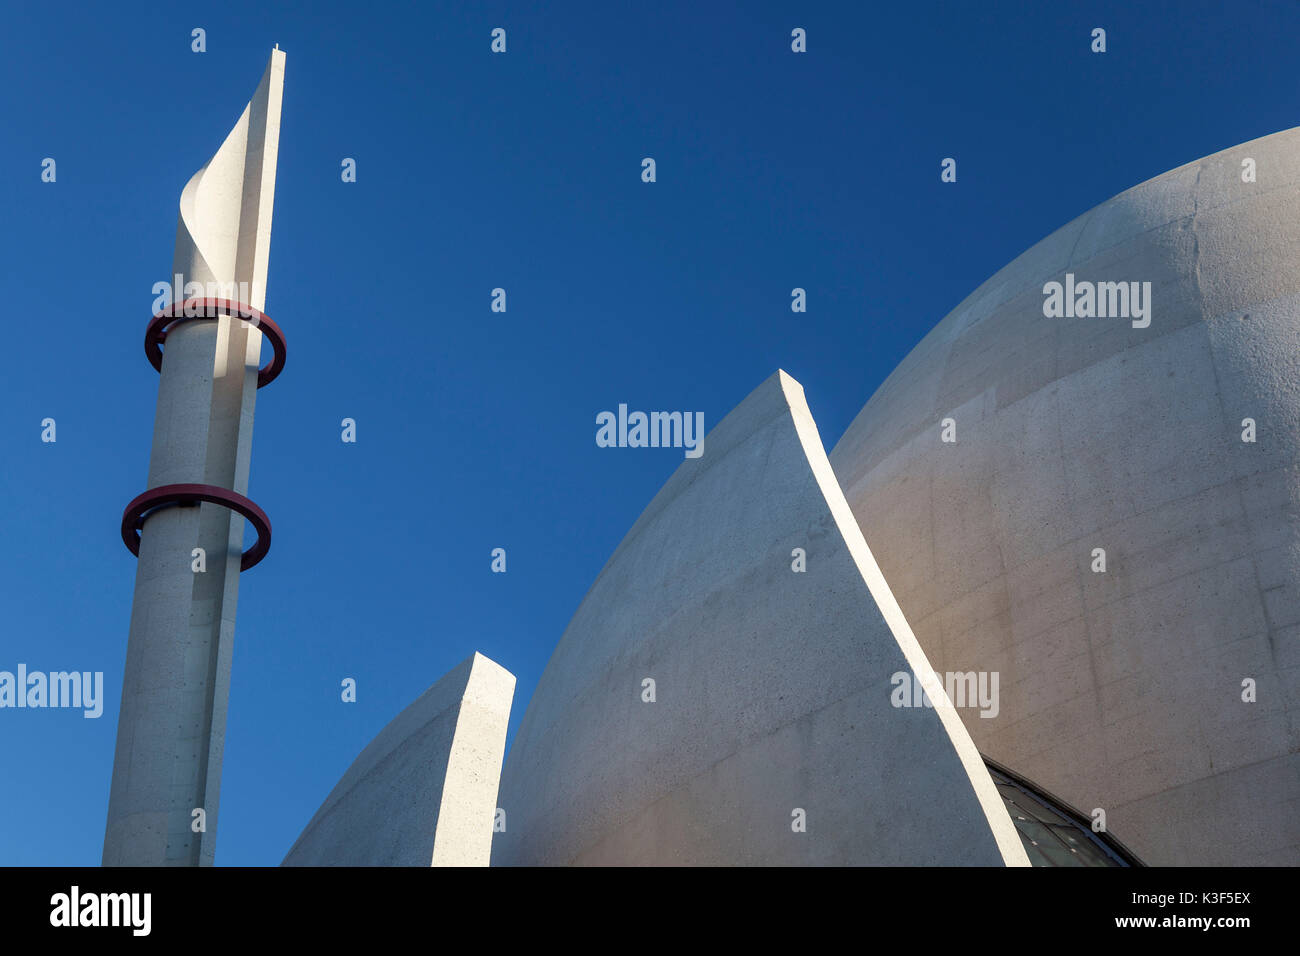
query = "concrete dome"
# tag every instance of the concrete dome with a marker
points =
(1123, 689)
(714, 703)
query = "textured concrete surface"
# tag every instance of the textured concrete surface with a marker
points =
(424, 791)
(1119, 690)
(171, 727)
(772, 688)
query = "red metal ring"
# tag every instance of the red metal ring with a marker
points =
(166, 320)
(144, 505)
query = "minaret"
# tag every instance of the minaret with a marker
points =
(163, 805)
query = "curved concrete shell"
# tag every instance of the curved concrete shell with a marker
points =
(1121, 689)
(424, 791)
(768, 735)
(223, 232)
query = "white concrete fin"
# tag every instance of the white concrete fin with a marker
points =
(424, 791)
(224, 230)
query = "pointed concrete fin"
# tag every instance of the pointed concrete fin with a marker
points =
(773, 689)
(224, 230)
(423, 792)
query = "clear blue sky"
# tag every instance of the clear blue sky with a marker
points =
(476, 429)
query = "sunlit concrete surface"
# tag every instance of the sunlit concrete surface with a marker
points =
(172, 725)
(1120, 690)
(772, 688)
(424, 791)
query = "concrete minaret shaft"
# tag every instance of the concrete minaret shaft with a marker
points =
(171, 729)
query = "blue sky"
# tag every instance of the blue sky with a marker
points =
(476, 429)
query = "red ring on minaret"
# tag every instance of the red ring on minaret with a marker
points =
(146, 504)
(166, 320)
